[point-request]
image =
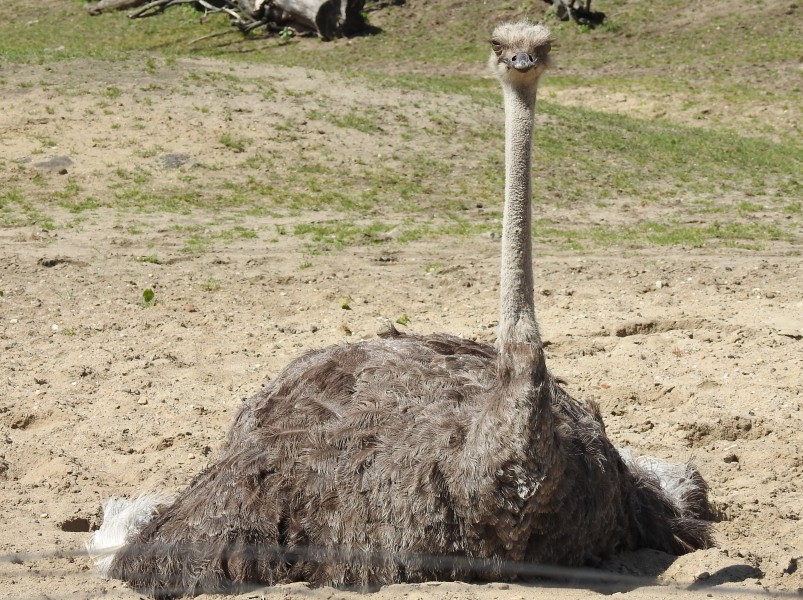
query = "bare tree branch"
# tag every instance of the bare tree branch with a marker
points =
(328, 19)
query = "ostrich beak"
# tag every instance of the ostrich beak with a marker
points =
(522, 62)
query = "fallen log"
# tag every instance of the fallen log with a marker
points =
(328, 19)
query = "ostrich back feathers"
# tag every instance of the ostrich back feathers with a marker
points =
(364, 464)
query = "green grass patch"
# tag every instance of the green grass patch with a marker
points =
(336, 234)
(64, 31)
(339, 234)
(751, 236)
(234, 142)
(593, 155)
(211, 285)
(437, 166)
(196, 244)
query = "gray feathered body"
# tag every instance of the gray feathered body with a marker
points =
(376, 462)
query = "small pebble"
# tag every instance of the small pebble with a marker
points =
(142, 401)
(43, 516)
(54, 327)
(191, 456)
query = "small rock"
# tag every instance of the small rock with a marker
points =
(142, 401)
(54, 327)
(702, 575)
(661, 284)
(191, 456)
(731, 458)
(173, 160)
(55, 163)
(43, 516)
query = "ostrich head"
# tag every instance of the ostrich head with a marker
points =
(520, 53)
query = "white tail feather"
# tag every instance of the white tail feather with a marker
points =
(122, 518)
(676, 478)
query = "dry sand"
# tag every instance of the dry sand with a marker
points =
(691, 354)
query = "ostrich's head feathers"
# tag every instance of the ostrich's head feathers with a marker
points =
(520, 52)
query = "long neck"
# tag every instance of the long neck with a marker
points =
(513, 438)
(517, 322)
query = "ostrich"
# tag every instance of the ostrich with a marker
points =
(409, 458)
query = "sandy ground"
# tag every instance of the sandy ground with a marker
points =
(691, 354)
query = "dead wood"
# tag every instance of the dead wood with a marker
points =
(328, 19)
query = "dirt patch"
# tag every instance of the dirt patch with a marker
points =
(103, 393)
(731, 430)
(694, 108)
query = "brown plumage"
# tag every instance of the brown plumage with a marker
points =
(375, 462)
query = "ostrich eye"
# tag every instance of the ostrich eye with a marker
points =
(497, 47)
